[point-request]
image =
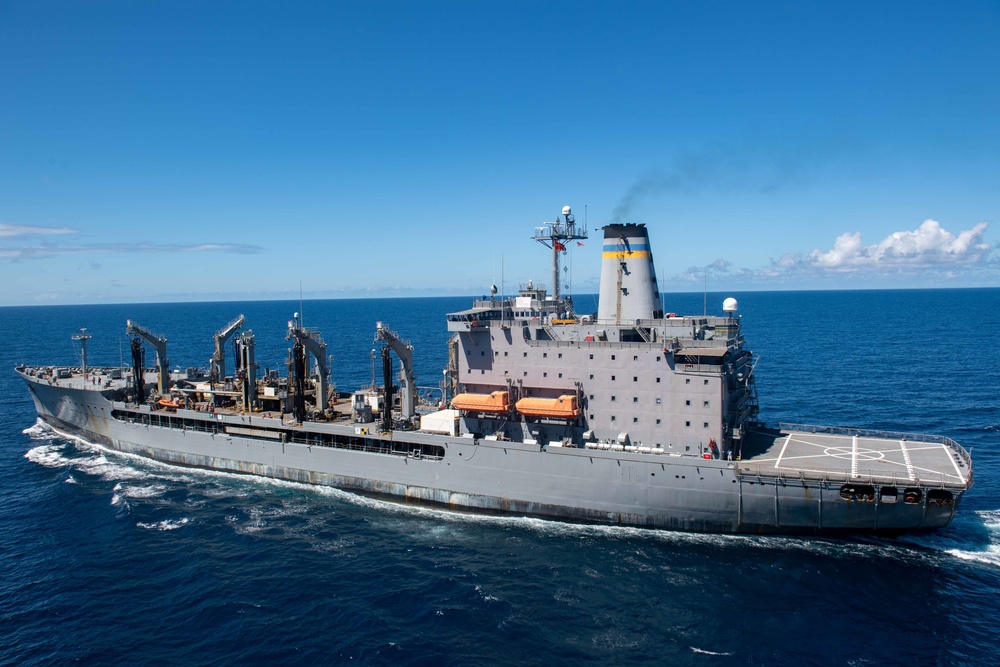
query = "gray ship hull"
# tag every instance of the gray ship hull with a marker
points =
(688, 493)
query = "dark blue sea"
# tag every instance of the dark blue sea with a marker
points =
(107, 559)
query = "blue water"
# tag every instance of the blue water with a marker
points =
(109, 559)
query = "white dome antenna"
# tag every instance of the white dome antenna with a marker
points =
(730, 305)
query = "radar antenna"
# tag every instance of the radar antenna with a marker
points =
(554, 235)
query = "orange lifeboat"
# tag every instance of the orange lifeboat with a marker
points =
(498, 402)
(170, 406)
(564, 407)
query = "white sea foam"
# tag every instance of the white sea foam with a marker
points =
(143, 491)
(706, 652)
(486, 597)
(50, 456)
(117, 499)
(973, 536)
(166, 524)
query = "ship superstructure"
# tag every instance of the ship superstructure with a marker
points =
(629, 376)
(625, 415)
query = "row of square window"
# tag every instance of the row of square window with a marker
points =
(635, 399)
(545, 355)
(635, 378)
(635, 420)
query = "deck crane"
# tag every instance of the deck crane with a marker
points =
(218, 368)
(407, 383)
(311, 341)
(158, 343)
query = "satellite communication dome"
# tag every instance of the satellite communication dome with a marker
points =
(567, 210)
(730, 305)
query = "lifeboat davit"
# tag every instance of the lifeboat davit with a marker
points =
(564, 407)
(497, 401)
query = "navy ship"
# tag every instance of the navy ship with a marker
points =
(628, 415)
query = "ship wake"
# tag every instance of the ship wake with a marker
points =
(972, 536)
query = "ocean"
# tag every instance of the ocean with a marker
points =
(109, 559)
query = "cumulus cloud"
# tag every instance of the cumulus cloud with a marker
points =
(928, 245)
(929, 250)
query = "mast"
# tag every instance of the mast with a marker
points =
(554, 235)
(83, 337)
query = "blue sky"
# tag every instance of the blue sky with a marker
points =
(190, 151)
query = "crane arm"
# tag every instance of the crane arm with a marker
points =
(315, 345)
(404, 351)
(221, 336)
(158, 343)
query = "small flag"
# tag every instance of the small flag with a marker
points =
(560, 246)
(579, 243)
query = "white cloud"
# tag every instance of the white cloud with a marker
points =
(46, 250)
(29, 230)
(929, 252)
(928, 245)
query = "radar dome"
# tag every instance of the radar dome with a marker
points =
(730, 305)
(567, 210)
